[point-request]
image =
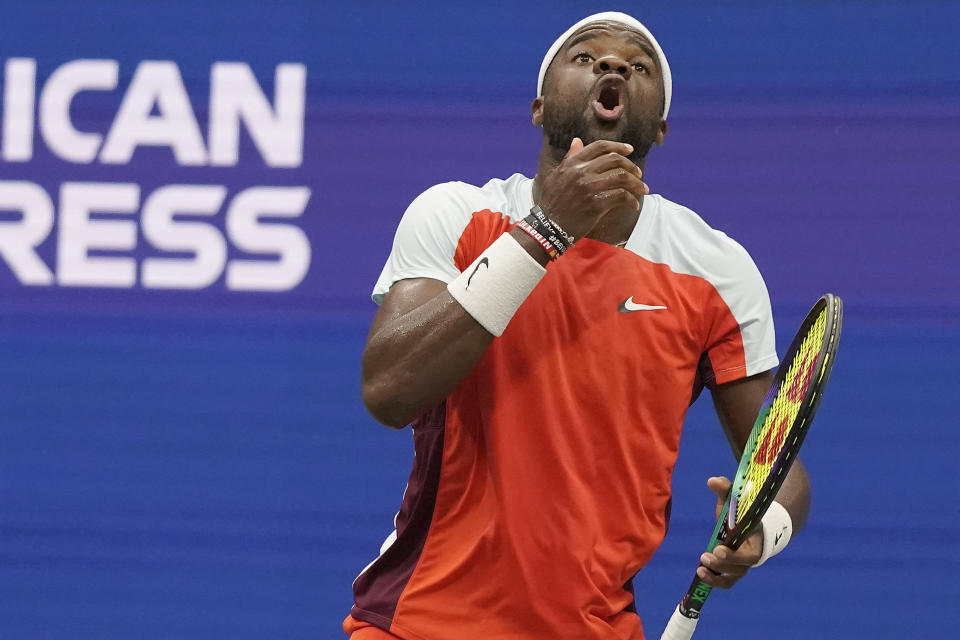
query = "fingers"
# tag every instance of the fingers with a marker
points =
(610, 161)
(592, 180)
(618, 199)
(620, 187)
(599, 147)
(616, 179)
(576, 146)
(724, 567)
(620, 179)
(721, 486)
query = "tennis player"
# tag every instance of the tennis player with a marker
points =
(545, 337)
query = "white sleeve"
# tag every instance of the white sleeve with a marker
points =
(426, 238)
(745, 294)
(755, 317)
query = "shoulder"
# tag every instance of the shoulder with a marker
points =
(677, 236)
(448, 223)
(446, 197)
(464, 199)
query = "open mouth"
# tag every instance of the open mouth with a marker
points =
(608, 104)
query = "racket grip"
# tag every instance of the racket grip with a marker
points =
(679, 626)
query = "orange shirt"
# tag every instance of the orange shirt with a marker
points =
(542, 485)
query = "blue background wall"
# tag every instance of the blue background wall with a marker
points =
(185, 464)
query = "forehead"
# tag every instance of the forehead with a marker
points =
(601, 29)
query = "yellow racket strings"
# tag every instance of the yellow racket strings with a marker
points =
(783, 412)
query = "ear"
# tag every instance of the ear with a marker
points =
(536, 107)
(661, 132)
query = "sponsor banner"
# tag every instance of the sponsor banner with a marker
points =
(125, 228)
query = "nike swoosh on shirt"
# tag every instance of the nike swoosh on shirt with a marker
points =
(629, 305)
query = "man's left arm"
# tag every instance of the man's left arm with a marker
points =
(737, 404)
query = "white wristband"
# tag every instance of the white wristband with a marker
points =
(777, 529)
(496, 284)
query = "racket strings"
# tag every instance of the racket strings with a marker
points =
(781, 414)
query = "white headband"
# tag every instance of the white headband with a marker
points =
(622, 18)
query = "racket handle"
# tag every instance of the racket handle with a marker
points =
(679, 626)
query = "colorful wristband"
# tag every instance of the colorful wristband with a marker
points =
(539, 223)
(523, 225)
(545, 219)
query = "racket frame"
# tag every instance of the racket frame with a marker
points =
(728, 531)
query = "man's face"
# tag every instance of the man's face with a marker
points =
(603, 84)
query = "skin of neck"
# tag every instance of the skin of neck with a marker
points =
(613, 228)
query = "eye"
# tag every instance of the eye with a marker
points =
(639, 68)
(583, 57)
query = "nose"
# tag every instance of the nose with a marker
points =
(612, 64)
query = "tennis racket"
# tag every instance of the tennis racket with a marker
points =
(777, 434)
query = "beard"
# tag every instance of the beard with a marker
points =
(564, 122)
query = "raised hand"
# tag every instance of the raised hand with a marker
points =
(591, 182)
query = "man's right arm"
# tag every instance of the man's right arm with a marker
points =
(421, 345)
(423, 342)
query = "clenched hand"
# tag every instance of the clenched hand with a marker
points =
(591, 182)
(724, 567)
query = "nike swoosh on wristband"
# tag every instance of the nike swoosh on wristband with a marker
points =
(776, 540)
(484, 262)
(629, 305)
